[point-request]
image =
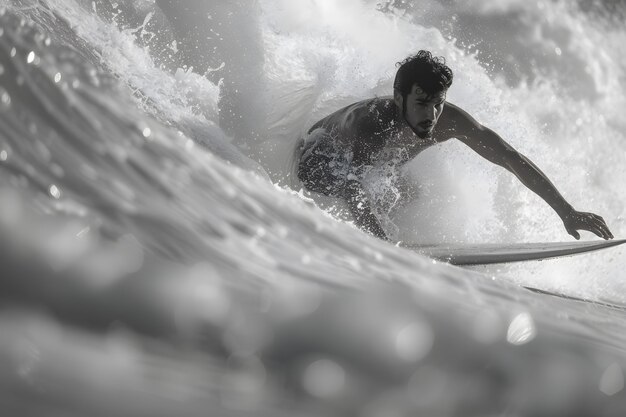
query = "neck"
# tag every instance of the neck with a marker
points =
(402, 127)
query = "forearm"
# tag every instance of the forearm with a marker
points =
(535, 180)
(361, 211)
(492, 147)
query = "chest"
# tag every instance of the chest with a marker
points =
(399, 154)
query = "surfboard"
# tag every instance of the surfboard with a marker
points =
(482, 254)
(577, 299)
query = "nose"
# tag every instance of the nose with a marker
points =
(429, 116)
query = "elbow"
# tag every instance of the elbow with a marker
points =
(515, 162)
(508, 159)
(512, 159)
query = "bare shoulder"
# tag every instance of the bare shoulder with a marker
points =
(362, 120)
(372, 120)
(374, 116)
(455, 123)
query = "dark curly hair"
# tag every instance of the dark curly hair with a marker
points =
(430, 73)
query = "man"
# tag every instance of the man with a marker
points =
(340, 148)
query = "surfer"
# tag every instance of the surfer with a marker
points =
(338, 150)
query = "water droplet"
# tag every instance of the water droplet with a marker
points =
(54, 191)
(1, 69)
(1, 32)
(76, 83)
(93, 77)
(13, 52)
(414, 341)
(521, 330)
(47, 42)
(146, 132)
(558, 51)
(57, 77)
(612, 380)
(3, 155)
(5, 99)
(31, 57)
(323, 378)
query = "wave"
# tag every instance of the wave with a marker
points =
(148, 270)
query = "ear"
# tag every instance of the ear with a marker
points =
(397, 98)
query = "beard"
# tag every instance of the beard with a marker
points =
(421, 132)
(424, 133)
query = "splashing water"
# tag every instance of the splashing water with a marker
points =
(151, 267)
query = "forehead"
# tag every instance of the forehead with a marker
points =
(418, 93)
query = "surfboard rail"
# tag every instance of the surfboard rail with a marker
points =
(491, 253)
(598, 303)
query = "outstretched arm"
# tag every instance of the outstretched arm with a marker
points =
(492, 147)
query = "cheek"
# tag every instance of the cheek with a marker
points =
(414, 112)
(413, 115)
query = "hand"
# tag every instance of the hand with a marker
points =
(578, 220)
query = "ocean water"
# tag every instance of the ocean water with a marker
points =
(155, 261)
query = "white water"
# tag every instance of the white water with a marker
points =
(562, 109)
(231, 259)
(546, 76)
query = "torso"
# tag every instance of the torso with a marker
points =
(368, 128)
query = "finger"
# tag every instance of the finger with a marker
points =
(606, 233)
(575, 234)
(590, 227)
(607, 230)
(601, 232)
(599, 224)
(596, 226)
(599, 219)
(598, 231)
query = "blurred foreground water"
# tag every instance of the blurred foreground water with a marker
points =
(149, 266)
